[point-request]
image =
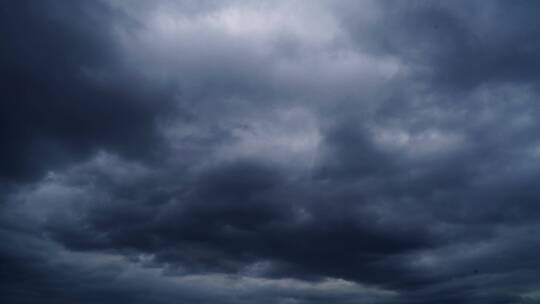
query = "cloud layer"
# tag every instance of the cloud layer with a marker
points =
(269, 152)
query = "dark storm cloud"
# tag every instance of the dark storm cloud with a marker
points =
(284, 152)
(458, 45)
(236, 215)
(54, 107)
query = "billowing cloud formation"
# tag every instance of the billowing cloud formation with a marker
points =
(269, 152)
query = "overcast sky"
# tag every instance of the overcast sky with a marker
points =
(272, 152)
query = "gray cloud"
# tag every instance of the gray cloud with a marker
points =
(269, 152)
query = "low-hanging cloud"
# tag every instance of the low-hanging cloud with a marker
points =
(269, 152)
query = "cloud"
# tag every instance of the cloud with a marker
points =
(65, 92)
(269, 152)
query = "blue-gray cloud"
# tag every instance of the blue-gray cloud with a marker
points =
(269, 152)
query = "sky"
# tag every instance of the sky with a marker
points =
(272, 152)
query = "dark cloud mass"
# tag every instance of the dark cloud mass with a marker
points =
(280, 152)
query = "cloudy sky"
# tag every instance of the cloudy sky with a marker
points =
(273, 152)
